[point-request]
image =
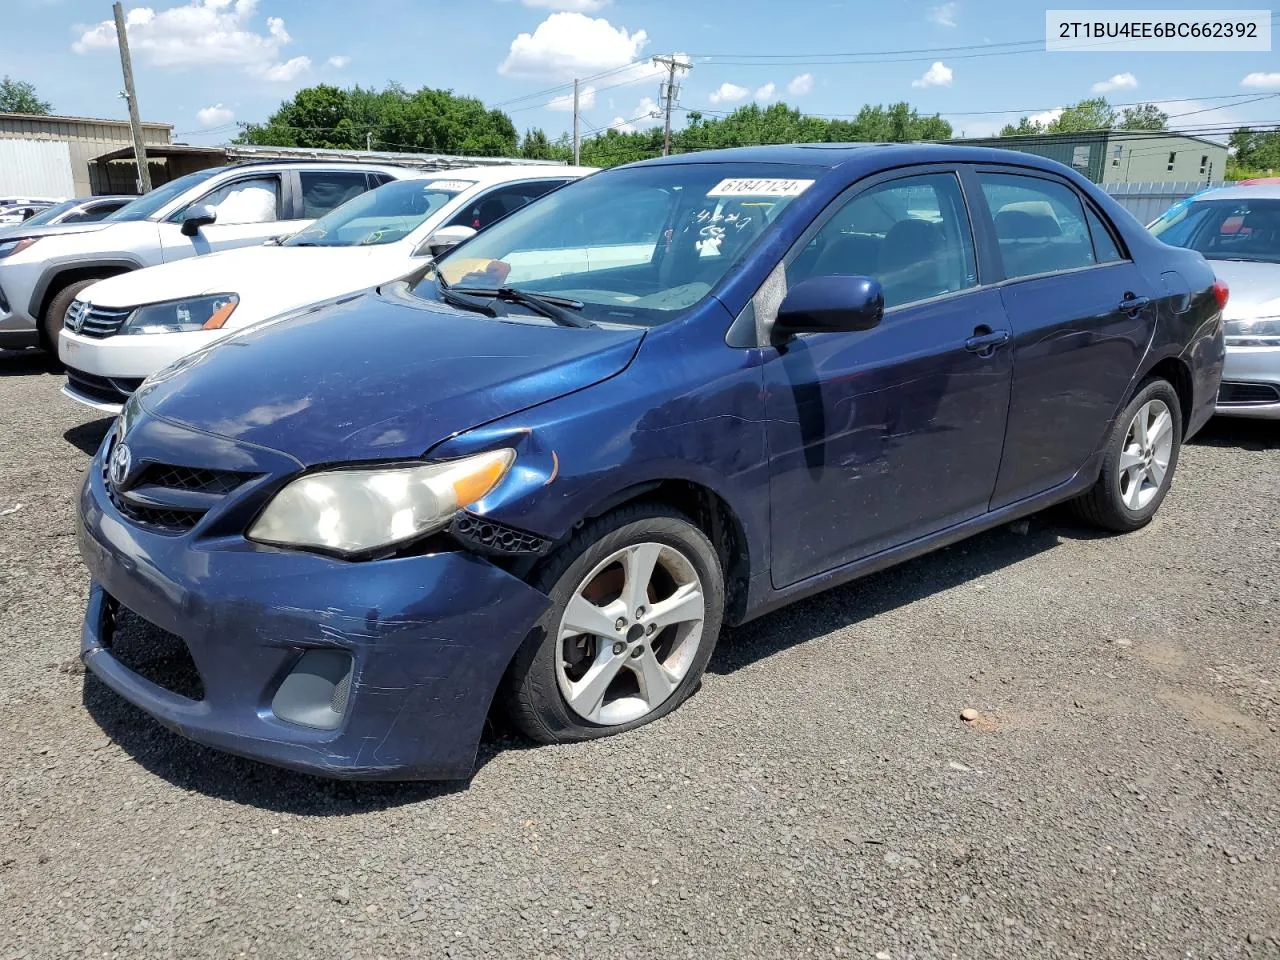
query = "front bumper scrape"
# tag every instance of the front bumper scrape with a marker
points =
(430, 637)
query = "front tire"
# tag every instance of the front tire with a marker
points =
(1137, 470)
(51, 322)
(637, 601)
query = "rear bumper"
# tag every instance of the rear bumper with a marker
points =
(428, 637)
(1250, 383)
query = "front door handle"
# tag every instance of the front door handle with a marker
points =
(986, 341)
(1131, 304)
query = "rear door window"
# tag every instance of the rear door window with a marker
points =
(323, 190)
(1040, 224)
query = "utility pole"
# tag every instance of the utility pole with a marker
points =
(131, 95)
(577, 141)
(368, 140)
(668, 94)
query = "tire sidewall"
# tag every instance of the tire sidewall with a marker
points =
(51, 322)
(1154, 390)
(562, 579)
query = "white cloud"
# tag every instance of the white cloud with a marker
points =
(1047, 117)
(728, 93)
(800, 85)
(944, 14)
(574, 6)
(1261, 80)
(215, 116)
(567, 45)
(622, 126)
(1121, 81)
(338, 61)
(767, 92)
(586, 100)
(938, 75)
(200, 34)
(289, 70)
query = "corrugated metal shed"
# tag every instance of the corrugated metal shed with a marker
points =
(36, 168)
(85, 137)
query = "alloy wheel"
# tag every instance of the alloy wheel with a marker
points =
(1144, 459)
(629, 633)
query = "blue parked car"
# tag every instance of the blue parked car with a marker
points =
(548, 470)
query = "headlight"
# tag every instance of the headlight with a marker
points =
(353, 511)
(181, 316)
(9, 247)
(1263, 332)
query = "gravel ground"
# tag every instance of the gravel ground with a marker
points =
(1118, 797)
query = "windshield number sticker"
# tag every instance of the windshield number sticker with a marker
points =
(452, 186)
(759, 188)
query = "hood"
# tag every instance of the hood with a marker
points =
(269, 280)
(16, 231)
(382, 375)
(1255, 288)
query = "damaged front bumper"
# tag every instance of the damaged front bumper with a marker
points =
(425, 640)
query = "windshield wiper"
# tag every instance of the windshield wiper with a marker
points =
(551, 307)
(460, 299)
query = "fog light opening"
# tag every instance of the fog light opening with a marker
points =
(315, 692)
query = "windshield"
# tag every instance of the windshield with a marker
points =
(1245, 229)
(385, 215)
(149, 203)
(634, 245)
(51, 213)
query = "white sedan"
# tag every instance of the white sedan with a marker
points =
(121, 330)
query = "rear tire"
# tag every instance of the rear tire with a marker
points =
(1141, 456)
(56, 313)
(648, 568)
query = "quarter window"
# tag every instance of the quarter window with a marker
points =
(1104, 244)
(910, 234)
(1040, 225)
(253, 200)
(496, 204)
(324, 190)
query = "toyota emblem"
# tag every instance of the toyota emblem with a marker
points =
(119, 464)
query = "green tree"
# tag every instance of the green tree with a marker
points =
(1253, 153)
(436, 121)
(18, 96)
(1025, 127)
(536, 146)
(1092, 114)
(1145, 116)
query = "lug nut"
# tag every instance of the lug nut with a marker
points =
(639, 612)
(621, 624)
(637, 651)
(619, 647)
(652, 629)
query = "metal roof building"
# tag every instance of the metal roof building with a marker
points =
(51, 156)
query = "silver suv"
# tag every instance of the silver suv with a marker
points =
(43, 268)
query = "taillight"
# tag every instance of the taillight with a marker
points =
(1220, 293)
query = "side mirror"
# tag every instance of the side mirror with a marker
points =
(446, 238)
(197, 217)
(829, 305)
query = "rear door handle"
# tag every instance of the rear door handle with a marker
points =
(985, 341)
(1131, 304)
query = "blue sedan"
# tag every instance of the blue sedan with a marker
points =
(546, 471)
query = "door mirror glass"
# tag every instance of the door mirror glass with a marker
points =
(197, 217)
(829, 305)
(446, 238)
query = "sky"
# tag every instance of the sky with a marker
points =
(206, 65)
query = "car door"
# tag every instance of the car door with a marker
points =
(879, 437)
(1082, 315)
(250, 209)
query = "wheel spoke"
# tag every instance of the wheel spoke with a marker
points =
(583, 616)
(1156, 471)
(1129, 459)
(587, 695)
(685, 605)
(656, 682)
(1132, 496)
(1161, 429)
(638, 566)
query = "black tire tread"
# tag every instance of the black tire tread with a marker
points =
(51, 322)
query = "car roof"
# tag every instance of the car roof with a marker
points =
(504, 173)
(834, 155)
(1263, 191)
